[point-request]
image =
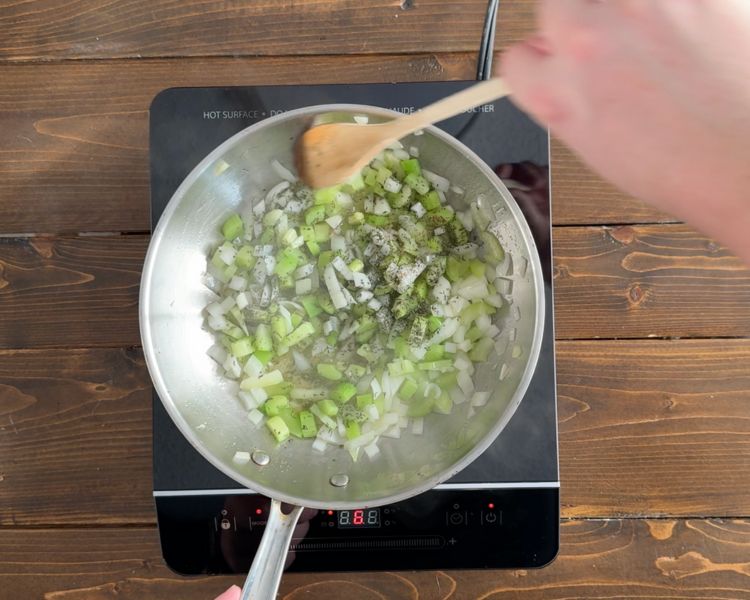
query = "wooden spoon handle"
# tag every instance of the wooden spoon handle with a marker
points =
(483, 92)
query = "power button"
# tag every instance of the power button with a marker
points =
(490, 517)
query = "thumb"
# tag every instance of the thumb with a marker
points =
(233, 593)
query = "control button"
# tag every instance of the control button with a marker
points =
(453, 541)
(226, 524)
(490, 517)
(456, 518)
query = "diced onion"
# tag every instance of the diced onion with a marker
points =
(241, 458)
(283, 172)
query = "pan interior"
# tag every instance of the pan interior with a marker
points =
(203, 403)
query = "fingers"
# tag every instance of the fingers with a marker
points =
(527, 69)
(233, 593)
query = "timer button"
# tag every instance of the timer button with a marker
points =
(456, 518)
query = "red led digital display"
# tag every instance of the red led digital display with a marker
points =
(360, 518)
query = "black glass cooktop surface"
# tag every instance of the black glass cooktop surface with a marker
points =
(502, 511)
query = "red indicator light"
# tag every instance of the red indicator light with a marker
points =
(330, 513)
(491, 505)
(258, 511)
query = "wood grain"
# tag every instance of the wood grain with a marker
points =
(654, 427)
(74, 154)
(55, 29)
(633, 559)
(76, 292)
(579, 197)
(660, 280)
(648, 281)
(647, 427)
(75, 437)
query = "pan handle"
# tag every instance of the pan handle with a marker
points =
(263, 580)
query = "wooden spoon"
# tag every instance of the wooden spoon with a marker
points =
(331, 153)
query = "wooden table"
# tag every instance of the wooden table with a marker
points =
(653, 319)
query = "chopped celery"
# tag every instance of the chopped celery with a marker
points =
(232, 227)
(458, 232)
(356, 218)
(481, 350)
(411, 166)
(408, 389)
(326, 195)
(400, 367)
(352, 430)
(307, 232)
(433, 323)
(278, 327)
(297, 319)
(264, 381)
(311, 306)
(473, 334)
(264, 356)
(305, 330)
(356, 265)
(493, 250)
(403, 306)
(263, 339)
(368, 353)
(355, 372)
(329, 371)
(286, 262)
(448, 380)
(324, 301)
(436, 365)
(328, 407)
(278, 428)
(377, 220)
(418, 183)
(315, 214)
(313, 247)
(363, 400)
(242, 347)
(430, 200)
(307, 424)
(443, 404)
(282, 388)
(420, 406)
(245, 258)
(343, 392)
(274, 404)
(322, 232)
(292, 421)
(434, 352)
(477, 267)
(456, 269)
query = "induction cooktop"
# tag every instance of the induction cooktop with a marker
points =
(502, 511)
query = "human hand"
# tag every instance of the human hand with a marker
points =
(654, 95)
(233, 593)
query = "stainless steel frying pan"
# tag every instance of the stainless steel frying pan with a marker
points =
(203, 404)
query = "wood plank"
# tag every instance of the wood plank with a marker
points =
(654, 427)
(55, 29)
(634, 559)
(648, 281)
(75, 437)
(579, 197)
(647, 427)
(660, 280)
(74, 154)
(75, 292)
